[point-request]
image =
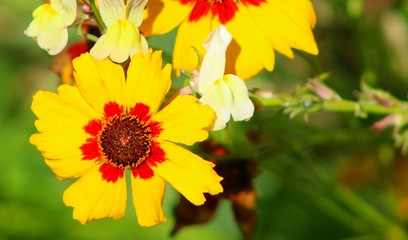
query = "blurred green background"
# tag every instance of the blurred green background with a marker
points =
(328, 178)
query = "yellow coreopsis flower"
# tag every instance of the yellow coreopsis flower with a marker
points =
(111, 123)
(49, 26)
(258, 27)
(122, 38)
(226, 95)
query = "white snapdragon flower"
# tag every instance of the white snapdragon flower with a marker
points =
(227, 94)
(122, 38)
(49, 26)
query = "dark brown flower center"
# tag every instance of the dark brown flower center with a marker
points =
(125, 141)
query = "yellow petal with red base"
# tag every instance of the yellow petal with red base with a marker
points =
(148, 199)
(258, 27)
(94, 198)
(62, 154)
(188, 173)
(60, 123)
(184, 120)
(63, 112)
(147, 82)
(99, 82)
(86, 131)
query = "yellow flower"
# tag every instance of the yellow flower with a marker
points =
(106, 125)
(258, 27)
(226, 95)
(122, 38)
(49, 26)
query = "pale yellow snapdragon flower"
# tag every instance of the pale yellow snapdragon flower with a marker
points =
(227, 94)
(49, 26)
(122, 38)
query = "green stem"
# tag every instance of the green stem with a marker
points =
(91, 37)
(339, 105)
(350, 106)
(97, 15)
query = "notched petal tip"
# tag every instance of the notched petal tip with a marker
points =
(148, 199)
(188, 173)
(94, 198)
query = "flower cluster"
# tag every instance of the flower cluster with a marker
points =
(114, 121)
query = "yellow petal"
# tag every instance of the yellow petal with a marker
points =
(250, 52)
(99, 82)
(61, 119)
(163, 16)
(59, 145)
(70, 167)
(147, 82)
(189, 39)
(184, 120)
(66, 111)
(62, 153)
(288, 24)
(188, 173)
(94, 198)
(148, 199)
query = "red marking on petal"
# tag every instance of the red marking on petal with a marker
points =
(157, 154)
(224, 9)
(93, 127)
(111, 173)
(201, 9)
(141, 111)
(113, 109)
(186, 1)
(90, 149)
(143, 171)
(156, 128)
